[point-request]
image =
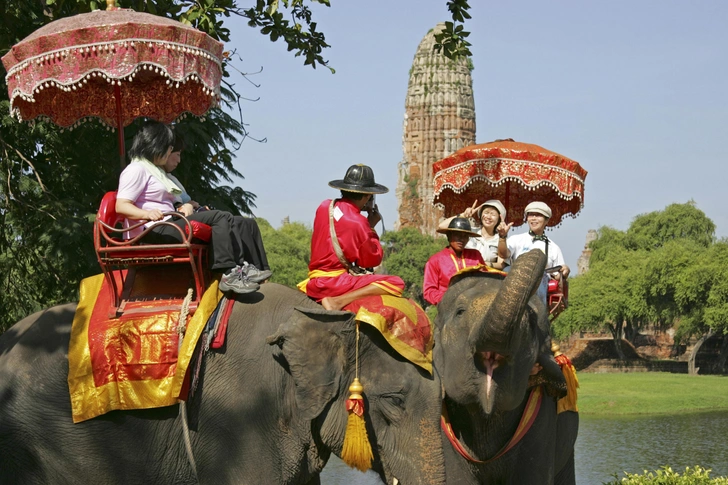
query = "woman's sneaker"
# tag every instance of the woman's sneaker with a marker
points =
(237, 281)
(254, 274)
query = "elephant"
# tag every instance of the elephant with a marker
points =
(491, 333)
(270, 407)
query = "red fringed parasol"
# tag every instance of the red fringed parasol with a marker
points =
(512, 172)
(113, 65)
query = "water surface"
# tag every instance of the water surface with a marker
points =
(612, 445)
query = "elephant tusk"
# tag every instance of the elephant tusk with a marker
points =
(395, 481)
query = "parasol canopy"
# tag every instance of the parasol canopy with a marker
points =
(514, 173)
(113, 65)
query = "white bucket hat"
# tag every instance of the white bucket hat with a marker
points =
(538, 208)
(495, 204)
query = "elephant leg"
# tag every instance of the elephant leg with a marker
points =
(567, 429)
(567, 475)
(315, 480)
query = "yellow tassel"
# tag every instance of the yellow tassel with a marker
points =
(568, 402)
(357, 451)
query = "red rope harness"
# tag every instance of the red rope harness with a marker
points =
(529, 416)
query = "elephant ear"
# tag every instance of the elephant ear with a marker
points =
(313, 343)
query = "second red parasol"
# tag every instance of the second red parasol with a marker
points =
(514, 173)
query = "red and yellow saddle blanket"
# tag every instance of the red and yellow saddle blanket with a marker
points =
(131, 362)
(402, 322)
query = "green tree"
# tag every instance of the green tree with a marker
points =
(702, 296)
(610, 296)
(665, 270)
(288, 250)
(676, 221)
(405, 253)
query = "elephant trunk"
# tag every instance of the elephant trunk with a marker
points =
(511, 300)
(490, 338)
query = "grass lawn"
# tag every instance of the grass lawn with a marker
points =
(651, 393)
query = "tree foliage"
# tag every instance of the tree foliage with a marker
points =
(451, 41)
(666, 476)
(676, 221)
(405, 253)
(666, 270)
(288, 250)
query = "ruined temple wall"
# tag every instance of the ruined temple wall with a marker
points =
(582, 264)
(439, 119)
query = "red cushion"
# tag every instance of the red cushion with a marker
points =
(553, 286)
(200, 231)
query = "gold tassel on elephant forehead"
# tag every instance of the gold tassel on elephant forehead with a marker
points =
(357, 451)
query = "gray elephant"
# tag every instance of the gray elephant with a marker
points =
(270, 407)
(492, 332)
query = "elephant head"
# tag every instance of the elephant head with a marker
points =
(490, 336)
(402, 401)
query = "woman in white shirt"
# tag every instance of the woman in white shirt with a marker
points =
(491, 216)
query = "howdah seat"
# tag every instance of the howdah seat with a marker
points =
(121, 260)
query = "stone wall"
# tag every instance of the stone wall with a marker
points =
(439, 119)
(582, 264)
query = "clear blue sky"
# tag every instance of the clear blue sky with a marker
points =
(635, 91)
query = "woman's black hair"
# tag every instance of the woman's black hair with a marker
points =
(152, 141)
(179, 143)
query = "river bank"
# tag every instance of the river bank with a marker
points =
(647, 393)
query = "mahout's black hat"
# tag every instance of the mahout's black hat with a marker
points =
(457, 224)
(359, 178)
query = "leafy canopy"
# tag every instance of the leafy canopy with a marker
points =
(288, 250)
(666, 269)
(405, 254)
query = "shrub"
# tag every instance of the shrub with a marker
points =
(665, 476)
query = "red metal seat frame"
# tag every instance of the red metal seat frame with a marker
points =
(557, 296)
(115, 253)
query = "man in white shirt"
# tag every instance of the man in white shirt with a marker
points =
(537, 215)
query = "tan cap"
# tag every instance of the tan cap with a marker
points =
(538, 208)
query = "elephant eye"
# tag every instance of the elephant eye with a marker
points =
(459, 312)
(391, 406)
(395, 399)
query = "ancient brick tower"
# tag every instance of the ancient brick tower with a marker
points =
(439, 119)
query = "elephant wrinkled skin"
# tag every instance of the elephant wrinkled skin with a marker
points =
(269, 409)
(491, 333)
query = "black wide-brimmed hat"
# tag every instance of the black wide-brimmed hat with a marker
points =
(457, 224)
(360, 179)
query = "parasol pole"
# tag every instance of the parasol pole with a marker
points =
(111, 5)
(120, 126)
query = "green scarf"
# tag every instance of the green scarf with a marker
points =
(159, 174)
